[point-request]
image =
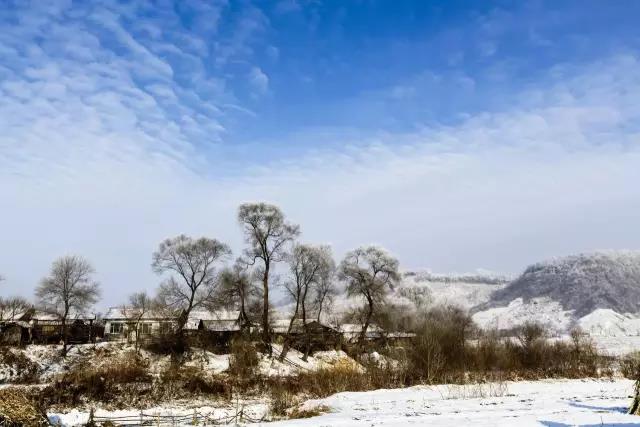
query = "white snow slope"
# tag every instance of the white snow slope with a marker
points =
(556, 403)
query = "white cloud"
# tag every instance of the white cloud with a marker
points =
(108, 175)
(259, 80)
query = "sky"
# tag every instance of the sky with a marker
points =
(458, 135)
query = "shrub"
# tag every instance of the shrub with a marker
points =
(18, 409)
(177, 381)
(169, 343)
(282, 399)
(630, 366)
(243, 358)
(26, 371)
(103, 382)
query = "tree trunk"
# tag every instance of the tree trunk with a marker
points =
(65, 336)
(307, 348)
(635, 405)
(287, 340)
(363, 333)
(266, 336)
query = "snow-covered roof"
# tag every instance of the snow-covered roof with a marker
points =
(356, 328)
(47, 316)
(221, 325)
(213, 318)
(8, 314)
(121, 313)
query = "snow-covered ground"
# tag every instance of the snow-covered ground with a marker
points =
(555, 403)
(540, 310)
(551, 403)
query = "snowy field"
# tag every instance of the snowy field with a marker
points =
(551, 403)
(555, 403)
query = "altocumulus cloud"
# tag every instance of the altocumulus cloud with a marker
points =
(101, 154)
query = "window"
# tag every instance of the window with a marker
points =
(116, 328)
(145, 328)
(49, 329)
(166, 327)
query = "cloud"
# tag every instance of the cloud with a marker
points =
(554, 174)
(259, 80)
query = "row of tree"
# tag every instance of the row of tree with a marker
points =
(196, 276)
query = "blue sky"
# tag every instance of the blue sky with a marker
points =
(459, 135)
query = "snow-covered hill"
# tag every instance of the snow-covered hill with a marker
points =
(594, 292)
(580, 283)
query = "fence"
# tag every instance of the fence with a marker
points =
(195, 418)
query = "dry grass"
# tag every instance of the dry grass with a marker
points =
(243, 359)
(26, 370)
(118, 381)
(18, 409)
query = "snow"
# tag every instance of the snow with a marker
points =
(293, 364)
(607, 322)
(254, 409)
(543, 310)
(554, 403)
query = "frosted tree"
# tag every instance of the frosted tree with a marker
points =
(267, 235)
(238, 289)
(140, 303)
(324, 292)
(191, 264)
(69, 288)
(369, 273)
(13, 307)
(308, 265)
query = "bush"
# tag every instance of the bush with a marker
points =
(26, 371)
(178, 381)
(18, 409)
(243, 358)
(282, 399)
(168, 344)
(104, 382)
(630, 366)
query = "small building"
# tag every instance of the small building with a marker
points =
(46, 327)
(316, 335)
(120, 324)
(217, 328)
(15, 333)
(351, 332)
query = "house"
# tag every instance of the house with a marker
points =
(316, 335)
(46, 327)
(351, 332)
(120, 324)
(217, 327)
(14, 333)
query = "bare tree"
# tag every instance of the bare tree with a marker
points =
(369, 272)
(267, 235)
(69, 288)
(192, 265)
(237, 288)
(13, 307)
(324, 292)
(308, 266)
(140, 303)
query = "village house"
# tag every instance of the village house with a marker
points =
(120, 324)
(42, 327)
(320, 336)
(217, 327)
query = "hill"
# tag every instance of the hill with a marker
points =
(580, 284)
